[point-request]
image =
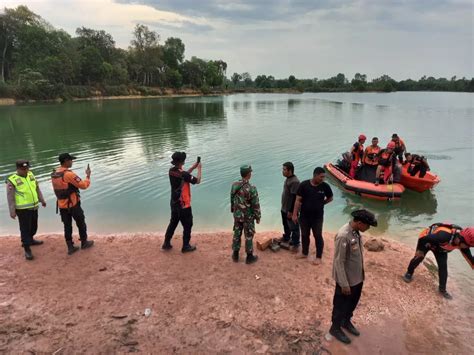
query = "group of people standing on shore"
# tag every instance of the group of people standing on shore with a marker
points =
(383, 165)
(302, 212)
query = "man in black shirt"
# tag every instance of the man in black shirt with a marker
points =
(180, 181)
(311, 197)
(288, 199)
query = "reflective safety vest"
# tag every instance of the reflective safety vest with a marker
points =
(371, 155)
(26, 195)
(440, 227)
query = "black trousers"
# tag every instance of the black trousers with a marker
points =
(316, 225)
(418, 168)
(344, 305)
(291, 230)
(441, 260)
(76, 213)
(28, 221)
(185, 216)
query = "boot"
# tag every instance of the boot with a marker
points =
(339, 335)
(71, 249)
(235, 256)
(407, 277)
(86, 244)
(446, 294)
(350, 328)
(188, 248)
(36, 242)
(251, 258)
(28, 254)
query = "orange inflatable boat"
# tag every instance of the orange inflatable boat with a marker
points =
(416, 183)
(363, 188)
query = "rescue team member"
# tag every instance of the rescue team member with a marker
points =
(387, 163)
(245, 207)
(348, 272)
(180, 181)
(370, 161)
(311, 197)
(66, 185)
(416, 164)
(24, 196)
(357, 151)
(400, 147)
(441, 239)
(288, 198)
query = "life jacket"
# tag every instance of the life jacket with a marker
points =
(26, 195)
(453, 229)
(62, 189)
(385, 158)
(399, 145)
(372, 155)
(357, 153)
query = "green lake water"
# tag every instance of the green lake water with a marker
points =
(128, 144)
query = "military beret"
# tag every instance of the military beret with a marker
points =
(365, 216)
(245, 169)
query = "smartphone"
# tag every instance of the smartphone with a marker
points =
(198, 160)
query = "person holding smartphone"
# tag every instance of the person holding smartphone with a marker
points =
(181, 181)
(66, 185)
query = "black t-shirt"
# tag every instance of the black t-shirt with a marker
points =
(312, 205)
(180, 190)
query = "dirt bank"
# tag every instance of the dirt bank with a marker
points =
(94, 301)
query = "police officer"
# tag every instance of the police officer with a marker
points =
(24, 196)
(348, 271)
(66, 185)
(245, 206)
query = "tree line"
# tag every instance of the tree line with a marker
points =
(41, 62)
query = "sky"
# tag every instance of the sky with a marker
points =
(306, 38)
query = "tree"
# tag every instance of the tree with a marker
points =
(236, 77)
(91, 65)
(292, 80)
(359, 82)
(103, 41)
(173, 53)
(247, 79)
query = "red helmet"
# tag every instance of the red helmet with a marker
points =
(362, 137)
(468, 235)
(391, 145)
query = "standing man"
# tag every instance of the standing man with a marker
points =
(311, 197)
(400, 147)
(357, 151)
(66, 185)
(441, 239)
(24, 196)
(288, 199)
(180, 181)
(245, 207)
(370, 161)
(348, 272)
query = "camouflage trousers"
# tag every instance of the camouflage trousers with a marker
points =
(248, 227)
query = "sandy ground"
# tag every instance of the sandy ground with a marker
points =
(94, 301)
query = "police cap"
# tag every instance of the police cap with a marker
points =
(64, 157)
(22, 163)
(364, 216)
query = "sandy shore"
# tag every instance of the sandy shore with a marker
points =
(94, 301)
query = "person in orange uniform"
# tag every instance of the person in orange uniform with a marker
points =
(66, 185)
(357, 151)
(400, 147)
(441, 239)
(387, 163)
(370, 161)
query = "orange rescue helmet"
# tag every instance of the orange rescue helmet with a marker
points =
(391, 145)
(362, 137)
(468, 235)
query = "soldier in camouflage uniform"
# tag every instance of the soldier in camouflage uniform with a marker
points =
(245, 207)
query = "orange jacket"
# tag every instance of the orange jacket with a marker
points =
(71, 178)
(371, 155)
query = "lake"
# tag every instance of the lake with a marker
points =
(128, 144)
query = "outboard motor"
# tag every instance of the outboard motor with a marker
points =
(345, 163)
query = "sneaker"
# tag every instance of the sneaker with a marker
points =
(446, 294)
(251, 259)
(407, 277)
(28, 254)
(71, 249)
(87, 244)
(350, 328)
(188, 249)
(339, 335)
(235, 256)
(36, 242)
(166, 246)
